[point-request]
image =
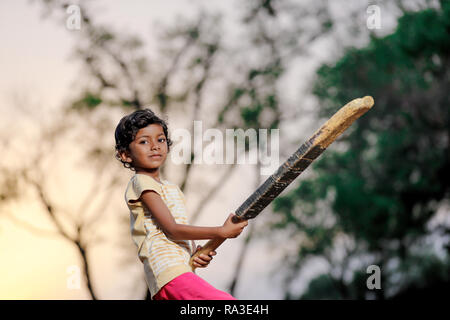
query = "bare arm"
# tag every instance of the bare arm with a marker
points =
(177, 231)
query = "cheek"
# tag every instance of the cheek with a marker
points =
(138, 150)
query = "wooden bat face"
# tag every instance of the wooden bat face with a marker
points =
(303, 157)
(296, 164)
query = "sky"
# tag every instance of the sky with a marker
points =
(37, 71)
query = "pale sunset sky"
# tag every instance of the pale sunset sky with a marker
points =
(36, 66)
(36, 69)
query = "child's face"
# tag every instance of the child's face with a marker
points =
(149, 148)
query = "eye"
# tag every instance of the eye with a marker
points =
(143, 142)
(162, 140)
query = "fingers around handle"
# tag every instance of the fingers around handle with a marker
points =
(236, 219)
(211, 245)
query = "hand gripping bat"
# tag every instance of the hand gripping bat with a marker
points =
(295, 164)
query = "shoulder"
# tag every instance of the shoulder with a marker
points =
(139, 178)
(139, 183)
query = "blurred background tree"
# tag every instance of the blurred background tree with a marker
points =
(381, 194)
(256, 78)
(191, 61)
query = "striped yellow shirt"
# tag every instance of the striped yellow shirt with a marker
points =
(163, 258)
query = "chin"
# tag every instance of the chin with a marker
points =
(156, 164)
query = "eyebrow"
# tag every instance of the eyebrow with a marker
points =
(161, 134)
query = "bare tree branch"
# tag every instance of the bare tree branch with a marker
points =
(242, 253)
(30, 227)
(212, 192)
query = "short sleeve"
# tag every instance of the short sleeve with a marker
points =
(139, 184)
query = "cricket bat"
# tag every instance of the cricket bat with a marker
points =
(295, 164)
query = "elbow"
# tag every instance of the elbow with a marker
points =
(173, 232)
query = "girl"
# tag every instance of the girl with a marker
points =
(158, 219)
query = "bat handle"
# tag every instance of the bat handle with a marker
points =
(211, 245)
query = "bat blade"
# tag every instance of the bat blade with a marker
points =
(303, 157)
(295, 165)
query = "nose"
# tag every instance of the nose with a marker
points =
(154, 146)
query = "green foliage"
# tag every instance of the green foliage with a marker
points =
(396, 164)
(88, 100)
(322, 286)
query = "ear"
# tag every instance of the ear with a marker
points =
(125, 156)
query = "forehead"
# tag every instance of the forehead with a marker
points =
(150, 130)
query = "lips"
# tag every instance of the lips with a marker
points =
(155, 156)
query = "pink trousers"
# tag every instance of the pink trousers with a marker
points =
(189, 286)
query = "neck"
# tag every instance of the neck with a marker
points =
(154, 173)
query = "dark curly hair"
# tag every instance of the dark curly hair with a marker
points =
(128, 127)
